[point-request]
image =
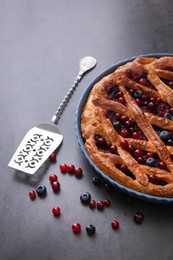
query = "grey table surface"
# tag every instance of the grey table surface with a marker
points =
(41, 43)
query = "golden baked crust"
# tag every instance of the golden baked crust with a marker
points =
(141, 91)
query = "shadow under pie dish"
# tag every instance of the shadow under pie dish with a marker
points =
(124, 125)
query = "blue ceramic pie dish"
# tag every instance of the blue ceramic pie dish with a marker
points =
(80, 107)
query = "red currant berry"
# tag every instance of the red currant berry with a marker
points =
(145, 97)
(171, 111)
(121, 100)
(143, 81)
(78, 172)
(107, 202)
(101, 142)
(158, 100)
(53, 178)
(56, 211)
(76, 227)
(124, 144)
(140, 160)
(161, 165)
(124, 132)
(108, 144)
(130, 148)
(92, 204)
(63, 167)
(52, 157)
(123, 119)
(138, 101)
(123, 168)
(55, 186)
(100, 205)
(149, 155)
(115, 224)
(151, 105)
(108, 187)
(138, 153)
(113, 149)
(152, 178)
(135, 135)
(117, 116)
(171, 156)
(138, 217)
(32, 194)
(70, 168)
(170, 84)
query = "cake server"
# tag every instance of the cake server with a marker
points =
(41, 141)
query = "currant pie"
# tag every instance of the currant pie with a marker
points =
(127, 125)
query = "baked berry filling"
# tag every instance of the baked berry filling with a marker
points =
(165, 135)
(141, 156)
(167, 82)
(152, 105)
(115, 94)
(140, 79)
(148, 104)
(125, 170)
(104, 145)
(126, 127)
(169, 69)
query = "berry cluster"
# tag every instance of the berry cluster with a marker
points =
(41, 189)
(71, 169)
(85, 198)
(141, 156)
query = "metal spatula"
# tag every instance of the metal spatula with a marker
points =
(41, 141)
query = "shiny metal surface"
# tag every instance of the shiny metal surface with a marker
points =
(85, 64)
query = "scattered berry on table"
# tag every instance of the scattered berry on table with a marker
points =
(55, 186)
(92, 204)
(41, 190)
(32, 194)
(96, 180)
(90, 229)
(85, 197)
(107, 202)
(115, 224)
(138, 217)
(52, 157)
(78, 172)
(70, 168)
(76, 227)
(53, 177)
(108, 187)
(56, 211)
(100, 205)
(63, 167)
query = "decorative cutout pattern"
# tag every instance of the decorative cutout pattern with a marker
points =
(34, 150)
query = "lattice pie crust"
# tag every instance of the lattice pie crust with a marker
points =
(127, 125)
